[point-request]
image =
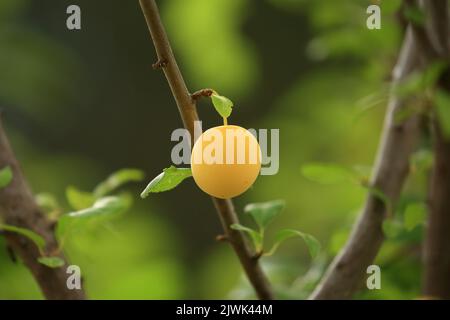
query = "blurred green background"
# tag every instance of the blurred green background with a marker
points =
(79, 105)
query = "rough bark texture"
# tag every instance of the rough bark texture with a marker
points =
(422, 46)
(187, 108)
(18, 208)
(437, 243)
(436, 253)
(398, 141)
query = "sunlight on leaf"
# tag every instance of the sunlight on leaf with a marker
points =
(51, 262)
(33, 236)
(167, 180)
(103, 209)
(223, 105)
(47, 202)
(78, 199)
(311, 242)
(263, 213)
(254, 235)
(118, 179)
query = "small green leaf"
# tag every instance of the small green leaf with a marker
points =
(434, 72)
(327, 173)
(103, 209)
(311, 242)
(403, 114)
(379, 194)
(256, 237)
(263, 213)
(420, 81)
(421, 161)
(392, 228)
(33, 236)
(47, 202)
(415, 15)
(167, 180)
(78, 199)
(415, 215)
(223, 105)
(6, 176)
(442, 102)
(410, 85)
(118, 179)
(51, 262)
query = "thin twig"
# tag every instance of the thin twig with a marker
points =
(187, 108)
(18, 207)
(221, 238)
(202, 93)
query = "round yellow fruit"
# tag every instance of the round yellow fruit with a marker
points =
(225, 161)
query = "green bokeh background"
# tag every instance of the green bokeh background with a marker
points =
(81, 104)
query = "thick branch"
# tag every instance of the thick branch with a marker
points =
(425, 44)
(436, 277)
(398, 141)
(187, 108)
(18, 207)
(438, 25)
(436, 253)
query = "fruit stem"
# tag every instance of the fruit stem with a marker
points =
(225, 121)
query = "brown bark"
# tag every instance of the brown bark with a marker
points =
(188, 112)
(18, 208)
(436, 252)
(421, 47)
(398, 141)
(437, 243)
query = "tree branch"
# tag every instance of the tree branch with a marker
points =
(398, 141)
(424, 43)
(438, 25)
(18, 208)
(436, 253)
(202, 93)
(187, 108)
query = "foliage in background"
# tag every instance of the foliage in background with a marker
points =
(91, 208)
(330, 111)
